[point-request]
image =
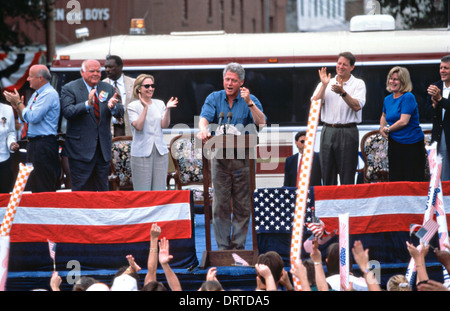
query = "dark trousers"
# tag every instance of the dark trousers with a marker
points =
(339, 154)
(90, 176)
(406, 161)
(42, 152)
(6, 173)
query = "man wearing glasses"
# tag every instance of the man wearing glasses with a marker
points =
(293, 164)
(88, 104)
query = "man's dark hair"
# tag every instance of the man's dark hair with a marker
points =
(300, 134)
(116, 58)
(349, 56)
(275, 263)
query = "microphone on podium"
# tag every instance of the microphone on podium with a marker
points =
(221, 116)
(229, 116)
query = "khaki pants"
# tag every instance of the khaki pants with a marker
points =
(231, 183)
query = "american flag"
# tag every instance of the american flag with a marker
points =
(275, 209)
(428, 230)
(52, 249)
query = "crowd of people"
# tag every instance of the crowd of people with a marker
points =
(314, 274)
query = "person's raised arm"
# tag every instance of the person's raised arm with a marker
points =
(164, 258)
(324, 79)
(316, 257)
(443, 257)
(299, 271)
(140, 121)
(55, 282)
(361, 257)
(172, 103)
(152, 263)
(418, 254)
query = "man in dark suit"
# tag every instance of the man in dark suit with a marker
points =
(293, 162)
(439, 100)
(88, 105)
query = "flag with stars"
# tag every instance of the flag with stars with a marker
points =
(275, 208)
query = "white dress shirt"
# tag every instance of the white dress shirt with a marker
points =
(334, 108)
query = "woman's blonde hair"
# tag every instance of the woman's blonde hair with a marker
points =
(138, 83)
(398, 283)
(403, 77)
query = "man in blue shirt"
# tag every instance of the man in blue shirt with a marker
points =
(40, 117)
(231, 177)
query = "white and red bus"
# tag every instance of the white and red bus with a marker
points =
(281, 70)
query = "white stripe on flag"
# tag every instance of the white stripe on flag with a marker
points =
(103, 217)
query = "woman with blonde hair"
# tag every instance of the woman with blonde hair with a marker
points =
(149, 153)
(398, 283)
(399, 124)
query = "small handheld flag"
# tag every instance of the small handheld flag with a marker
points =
(427, 231)
(52, 249)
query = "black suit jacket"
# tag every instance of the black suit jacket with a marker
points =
(83, 132)
(438, 123)
(290, 171)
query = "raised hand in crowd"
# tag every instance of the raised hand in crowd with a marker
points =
(299, 271)
(152, 263)
(211, 283)
(444, 257)
(361, 257)
(316, 257)
(418, 254)
(55, 282)
(263, 271)
(164, 258)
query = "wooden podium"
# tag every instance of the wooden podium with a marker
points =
(236, 145)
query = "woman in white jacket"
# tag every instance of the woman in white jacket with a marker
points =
(149, 153)
(8, 144)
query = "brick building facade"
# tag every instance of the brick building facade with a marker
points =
(112, 17)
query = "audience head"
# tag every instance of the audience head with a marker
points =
(126, 271)
(398, 283)
(83, 283)
(211, 286)
(154, 286)
(275, 263)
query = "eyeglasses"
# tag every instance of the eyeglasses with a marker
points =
(302, 141)
(149, 85)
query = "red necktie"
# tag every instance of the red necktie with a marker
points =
(299, 168)
(116, 87)
(96, 108)
(24, 132)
